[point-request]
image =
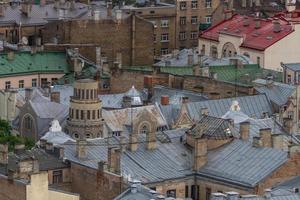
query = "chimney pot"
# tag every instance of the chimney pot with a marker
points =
(244, 130)
(276, 26)
(164, 100)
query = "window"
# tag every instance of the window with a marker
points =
(81, 114)
(152, 12)
(57, 176)
(92, 94)
(194, 4)
(214, 51)
(208, 3)
(98, 114)
(164, 51)
(182, 20)
(171, 193)
(203, 49)
(186, 191)
(194, 20)
(76, 136)
(164, 37)
(154, 37)
(182, 36)
(34, 82)
(53, 81)
(88, 135)
(88, 114)
(164, 23)
(208, 19)
(82, 94)
(28, 122)
(77, 114)
(289, 78)
(21, 83)
(247, 54)
(94, 114)
(258, 60)
(44, 82)
(87, 94)
(7, 84)
(183, 5)
(208, 193)
(290, 114)
(194, 35)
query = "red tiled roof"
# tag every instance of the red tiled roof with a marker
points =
(254, 38)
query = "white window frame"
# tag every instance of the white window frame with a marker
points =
(208, 3)
(194, 35)
(164, 37)
(182, 36)
(194, 4)
(194, 20)
(164, 51)
(164, 23)
(182, 5)
(208, 19)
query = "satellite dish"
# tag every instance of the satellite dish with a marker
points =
(24, 40)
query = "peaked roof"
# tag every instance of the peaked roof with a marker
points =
(254, 38)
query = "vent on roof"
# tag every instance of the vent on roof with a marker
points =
(225, 28)
(269, 37)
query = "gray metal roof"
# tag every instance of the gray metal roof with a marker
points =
(292, 66)
(276, 92)
(241, 163)
(214, 128)
(40, 15)
(253, 106)
(175, 95)
(236, 163)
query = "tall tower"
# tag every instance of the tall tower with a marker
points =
(85, 114)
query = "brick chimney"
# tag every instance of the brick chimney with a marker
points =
(133, 142)
(81, 150)
(151, 140)
(55, 97)
(114, 159)
(200, 153)
(265, 135)
(257, 23)
(4, 154)
(277, 141)
(164, 100)
(244, 130)
(109, 7)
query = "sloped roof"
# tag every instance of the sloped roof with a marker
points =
(276, 92)
(241, 163)
(254, 38)
(292, 66)
(27, 63)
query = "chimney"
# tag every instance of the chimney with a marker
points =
(164, 100)
(244, 130)
(133, 188)
(10, 55)
(19, 148)
(98, 56)
(43, 143)
(200, 153)
(232, 195)
(184, 100)
(246, 21)
(256, 142)
(294, 151)
(114, 158)
(97, 15)
(151, 140)
(257, 23)
(265, 135)
(119, 15)
(277, 141)
(276, 26)
(102, 166)
(4, 154)
(204, 111)
(190, 59)
(123, 143)
(196, 70)
(49, 146)
(133, 142)
(109, 6)
(55, 97)
(81, 150)
(2, 9)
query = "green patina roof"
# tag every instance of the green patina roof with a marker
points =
(27, 63)
(229, 73)
(139, 68)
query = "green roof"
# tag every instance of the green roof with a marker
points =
(27, 63)
(139, 68)
(228, 73)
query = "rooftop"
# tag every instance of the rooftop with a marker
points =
(27, 63)
(254, 38)
(292, 66)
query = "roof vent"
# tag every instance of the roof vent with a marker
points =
(225, 28)
(276, 26)
(269, 37)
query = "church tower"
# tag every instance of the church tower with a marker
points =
(85, 114)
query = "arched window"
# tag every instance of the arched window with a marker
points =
(88, 135)
(144, 129)
(28, 122)
(76, 136)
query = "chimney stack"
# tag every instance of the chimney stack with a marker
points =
(49, 146)
(19, 148)
(276, 26)
(190, 59)
(4, 154)
(102, 166)
(123, 143)
(164, 100)
(256, 142)
(265, 135)
(277, 141)
(200, 153)
(151, 139)
(55, 97)
(10, 55)
(109, 6)
(244, 130)
(81, 150)
(114, 158)
(133, 142)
